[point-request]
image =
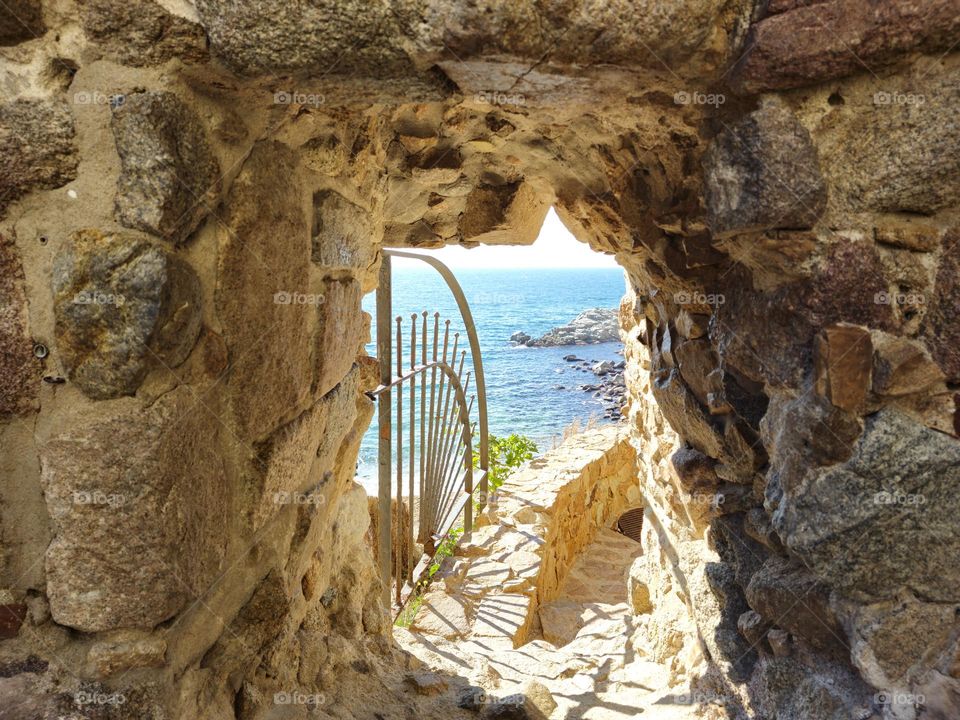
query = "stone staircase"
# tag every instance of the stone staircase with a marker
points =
(527, 607)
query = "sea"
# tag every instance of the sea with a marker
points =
(531, 391)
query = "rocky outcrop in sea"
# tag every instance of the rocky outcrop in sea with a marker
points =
(591, 327)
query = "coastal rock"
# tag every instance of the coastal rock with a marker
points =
(590, 327)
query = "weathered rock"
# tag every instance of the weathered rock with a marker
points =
(19, 369)
(169, 177)
(135, 537)
(339, 323)
(943, 337)
(509, 213)
(123, 306)
(844, 363)
(882, 520)
(835, 38)
(20, 20)
(275, 37)
(126, 651)
(142, 34)
(426, 683)
(753, 628)
(787, 595)
(902, 366)
(763, 173)
(258, 622)
(779, 641)
(699, 365)
(37, 144)
(694, 470)
(538, 700)
(342, 234)
(893, 642)
(264, 300)
(295, 464)
(905, 159)
(756, 524)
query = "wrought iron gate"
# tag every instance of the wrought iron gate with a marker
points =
(435, 449)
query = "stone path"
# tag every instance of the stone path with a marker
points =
(581, 652)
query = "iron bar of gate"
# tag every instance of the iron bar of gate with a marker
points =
(446, 473)
(384, 296)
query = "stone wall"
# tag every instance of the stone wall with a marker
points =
(193, 199)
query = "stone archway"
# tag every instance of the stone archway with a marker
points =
(176, 173)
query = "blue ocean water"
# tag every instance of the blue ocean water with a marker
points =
(523, 383)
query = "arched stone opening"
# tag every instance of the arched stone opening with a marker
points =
(183, 185)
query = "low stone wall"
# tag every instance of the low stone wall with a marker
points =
(534, 529)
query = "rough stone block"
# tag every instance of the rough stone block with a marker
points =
(20, 369)
(844, 365)
(276, 36)
(142, 34)
(37, 145)
(137, 500)
(882, 520)
(831, 39)
(264, 300)
(169, 177)
(339, 333)
(786, 595)
(123, 306)
(343, 236)
(763, 173)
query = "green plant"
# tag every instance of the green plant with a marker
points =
(507, 453)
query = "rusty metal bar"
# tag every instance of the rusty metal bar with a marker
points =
(384, 296)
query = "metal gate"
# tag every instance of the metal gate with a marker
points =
(427, 479)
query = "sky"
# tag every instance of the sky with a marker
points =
(555, 247)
